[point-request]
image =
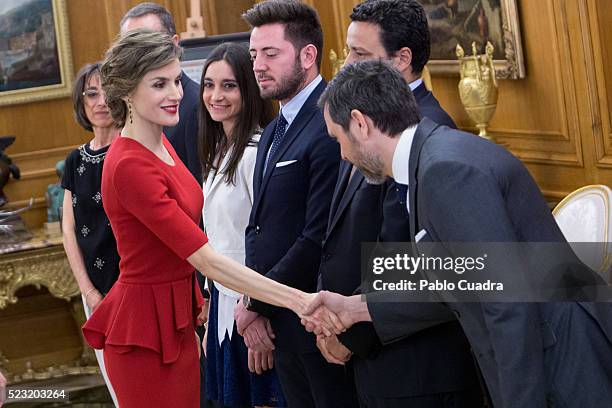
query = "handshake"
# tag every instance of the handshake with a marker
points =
(326, 314)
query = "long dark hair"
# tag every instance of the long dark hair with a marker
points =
(254, 112)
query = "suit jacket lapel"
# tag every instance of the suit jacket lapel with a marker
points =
(218, 175)
(344, 173)
(264, 144)
(352, 187)
(290, 135)
(303, 117)
(423, 131)
(420, 93)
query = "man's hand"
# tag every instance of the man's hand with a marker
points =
(259, 334)
(243, 317)
(332, 350)
(203, 316)
(328, 314)
(260, 361)
(2, 389)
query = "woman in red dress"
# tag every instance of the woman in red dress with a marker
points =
(146, 322)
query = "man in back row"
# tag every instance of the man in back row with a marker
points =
(407, 373)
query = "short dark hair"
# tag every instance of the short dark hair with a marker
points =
(377, 90)
(80, 82)
(255, 113)
(302, 25)
(403, 23)
(143, 9)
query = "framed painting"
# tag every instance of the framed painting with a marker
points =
(35, 57)
(453, 22)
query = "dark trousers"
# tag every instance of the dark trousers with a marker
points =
(459, 399)
(204, 403)
(309, 381)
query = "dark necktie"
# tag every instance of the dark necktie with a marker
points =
(279, 132)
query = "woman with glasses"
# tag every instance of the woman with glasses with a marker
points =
(88, 238)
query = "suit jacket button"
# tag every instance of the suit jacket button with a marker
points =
(326, 257)
(257, 229)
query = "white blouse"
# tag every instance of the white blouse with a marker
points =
(226, 212)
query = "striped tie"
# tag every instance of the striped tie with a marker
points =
(279, 132)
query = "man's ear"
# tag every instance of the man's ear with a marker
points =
(359, 124)
(403, 60)
(176, 39)
(308, 56)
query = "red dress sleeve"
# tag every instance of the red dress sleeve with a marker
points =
(143, 190)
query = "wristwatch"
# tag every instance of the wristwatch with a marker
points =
(246, 302)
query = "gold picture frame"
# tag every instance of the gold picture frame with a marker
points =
(453, 22)
(35, 54)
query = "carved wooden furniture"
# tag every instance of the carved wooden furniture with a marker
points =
(40, 313)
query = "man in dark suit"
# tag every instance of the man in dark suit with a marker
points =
(405, 373)
(465, 189)
(295, 173)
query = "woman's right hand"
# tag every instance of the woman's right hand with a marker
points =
(93, 300)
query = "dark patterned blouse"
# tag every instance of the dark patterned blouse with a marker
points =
(83, 177)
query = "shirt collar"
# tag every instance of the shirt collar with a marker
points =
(401, 156)
(415, 84)
(292, 108)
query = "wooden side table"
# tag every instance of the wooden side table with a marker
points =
(40, 262)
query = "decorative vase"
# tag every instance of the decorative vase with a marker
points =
(478, 86)
(336, 61)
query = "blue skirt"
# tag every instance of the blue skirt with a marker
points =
(228, 379)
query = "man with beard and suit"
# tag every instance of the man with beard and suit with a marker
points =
(295, 172)
(405, 373)
(530, 354)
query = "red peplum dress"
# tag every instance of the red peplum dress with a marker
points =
(146, 322)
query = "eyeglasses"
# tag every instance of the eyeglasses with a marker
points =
(92, 94)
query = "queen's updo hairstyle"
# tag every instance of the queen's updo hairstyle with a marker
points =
(128, 60)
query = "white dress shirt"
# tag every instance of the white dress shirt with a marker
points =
(401, 156)
(414, 84)
(226, 215)
(292, 108)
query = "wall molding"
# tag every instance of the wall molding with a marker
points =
(35, 154)
(596, 83)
